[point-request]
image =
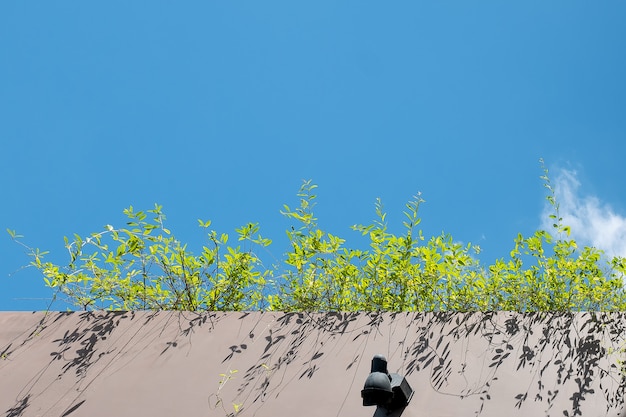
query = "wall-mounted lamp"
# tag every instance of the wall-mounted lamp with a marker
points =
(390, 391)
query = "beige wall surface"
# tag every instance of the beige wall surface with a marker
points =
(309, 364)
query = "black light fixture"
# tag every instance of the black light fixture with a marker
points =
(390, 391)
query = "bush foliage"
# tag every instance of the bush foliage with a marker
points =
(143, 266)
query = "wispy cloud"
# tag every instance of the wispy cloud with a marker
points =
(592, 221)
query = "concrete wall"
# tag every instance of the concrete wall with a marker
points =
(285, 364)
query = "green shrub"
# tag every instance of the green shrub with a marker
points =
(145, 267)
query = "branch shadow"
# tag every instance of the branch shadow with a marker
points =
(565, 358)
(19, 408)
(78, 349)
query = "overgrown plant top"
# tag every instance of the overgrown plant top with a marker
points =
(143, 266)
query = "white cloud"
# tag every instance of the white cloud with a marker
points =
(592, 222)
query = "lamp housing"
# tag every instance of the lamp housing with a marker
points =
(382, 389)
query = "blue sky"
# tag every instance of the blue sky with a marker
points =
(218, 110)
